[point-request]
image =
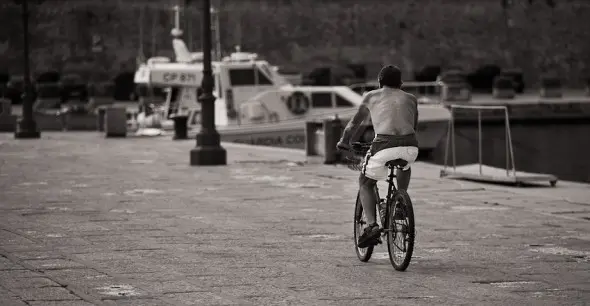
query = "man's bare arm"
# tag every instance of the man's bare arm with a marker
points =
(354, 123)
(416, 119)
(357, 119)
(415, 105)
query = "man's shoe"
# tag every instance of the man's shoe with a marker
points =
(370, 236)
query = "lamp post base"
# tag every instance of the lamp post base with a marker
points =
(26, 129)
(208, 156)
(208, 151)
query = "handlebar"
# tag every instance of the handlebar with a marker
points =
(359, 148)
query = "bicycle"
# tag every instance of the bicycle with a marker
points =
(397, 203)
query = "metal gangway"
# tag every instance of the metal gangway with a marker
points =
(479, 171)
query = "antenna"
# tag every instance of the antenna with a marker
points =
(176, 16)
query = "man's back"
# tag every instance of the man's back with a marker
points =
(393, 111)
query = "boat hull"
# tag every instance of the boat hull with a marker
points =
(292, 135)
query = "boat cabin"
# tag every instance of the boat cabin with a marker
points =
(248, 91)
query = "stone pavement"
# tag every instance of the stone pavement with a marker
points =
(85, 220)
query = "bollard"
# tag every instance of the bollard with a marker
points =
(115, 124)
(180, 127)
(550, 87)
(455, 86)
(310, 128)
(517, 78)
(332, 133)
(503, 88)
(7, 119)
(101, 111)
(456, 92)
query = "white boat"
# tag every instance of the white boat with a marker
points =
(255, 104)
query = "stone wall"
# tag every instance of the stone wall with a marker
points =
(465, 33)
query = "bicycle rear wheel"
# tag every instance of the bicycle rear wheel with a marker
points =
(401, 233)
(360, 222)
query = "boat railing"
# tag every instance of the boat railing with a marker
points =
(450, 145)
(422, 90)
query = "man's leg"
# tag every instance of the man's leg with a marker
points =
(368, 198)
(403, 179)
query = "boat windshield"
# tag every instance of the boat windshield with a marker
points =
(277, 78)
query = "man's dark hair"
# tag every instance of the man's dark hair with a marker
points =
(390, 76)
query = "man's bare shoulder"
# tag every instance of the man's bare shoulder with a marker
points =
(372, 92)
(367, 95)
(411, 97)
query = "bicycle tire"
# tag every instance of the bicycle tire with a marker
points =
(363, 254)
(402, 197)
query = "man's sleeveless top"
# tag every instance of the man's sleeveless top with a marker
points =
(393, 114)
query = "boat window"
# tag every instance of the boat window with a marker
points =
(341, 102)
(262, 79)
(321, 100)
(242, 77)
(248, 77)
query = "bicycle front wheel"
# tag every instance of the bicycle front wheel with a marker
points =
(360, 222)
(401, 230)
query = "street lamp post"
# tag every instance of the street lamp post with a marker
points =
(208, 151)
(26, 127)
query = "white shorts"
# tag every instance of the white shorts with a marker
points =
(374, 165)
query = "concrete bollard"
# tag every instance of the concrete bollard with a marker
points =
(332, 133)
(517, 78)
(455, 86)
(503, 88)
(7, 119)
(180, 127)
(456, 92)
(310, 137)
(115, 122)
(550, 87)
(100, 115)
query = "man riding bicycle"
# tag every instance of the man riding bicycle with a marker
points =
(394, 114)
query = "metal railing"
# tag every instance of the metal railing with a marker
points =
(479, 109)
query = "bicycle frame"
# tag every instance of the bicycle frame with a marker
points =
(391, 190)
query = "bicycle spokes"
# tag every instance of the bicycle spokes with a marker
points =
(400, 234)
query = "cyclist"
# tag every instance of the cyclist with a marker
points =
(394, 114)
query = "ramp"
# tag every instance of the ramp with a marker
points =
(483, 173)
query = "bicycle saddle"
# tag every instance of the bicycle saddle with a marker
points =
(396, 163)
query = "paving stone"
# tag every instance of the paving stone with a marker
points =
(11, 301)
(60, 303)
(28, 282)
(199, 298)
(11, 274)
(53, 264)
(45, 294)
(7, 264)
(37, 255)
(140, 302)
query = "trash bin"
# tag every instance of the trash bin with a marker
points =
(180, 127)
